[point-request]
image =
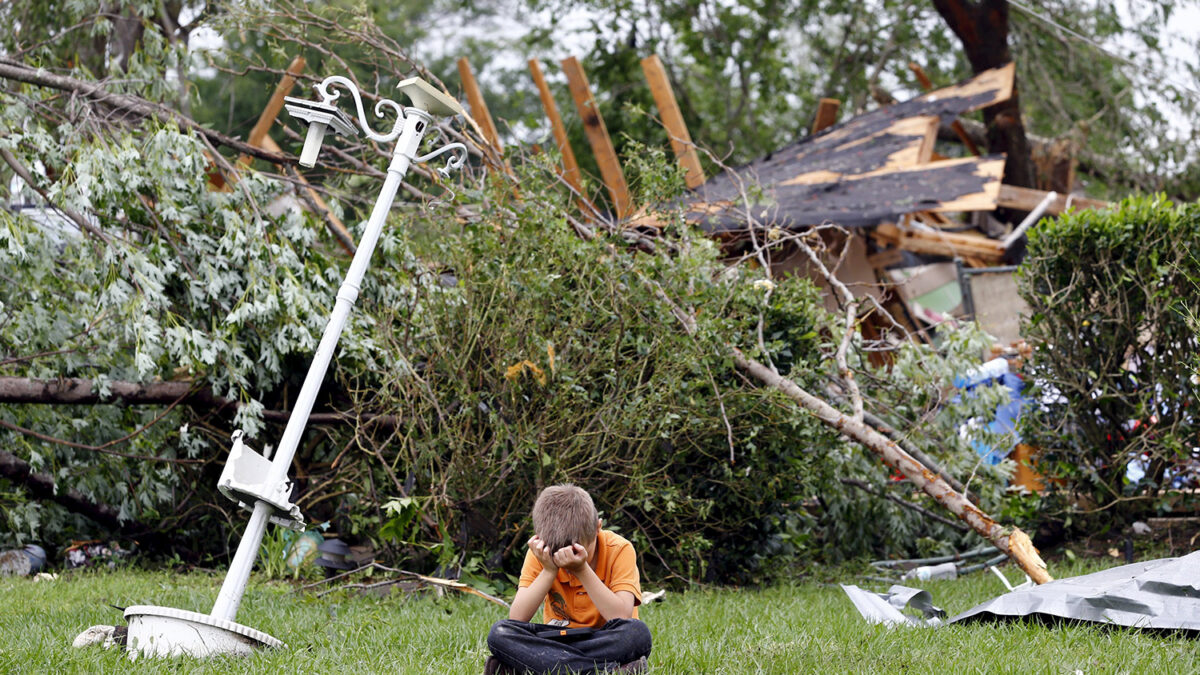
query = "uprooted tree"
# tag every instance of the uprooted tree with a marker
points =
(501, 343)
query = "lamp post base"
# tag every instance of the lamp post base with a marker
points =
(166, 631)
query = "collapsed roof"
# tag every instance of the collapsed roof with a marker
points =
(872, 168)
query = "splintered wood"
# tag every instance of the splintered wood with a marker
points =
(597, 135)
(870, 169)
(672, 119)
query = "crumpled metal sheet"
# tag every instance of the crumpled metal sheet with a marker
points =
(1155, 594)
(886, 608)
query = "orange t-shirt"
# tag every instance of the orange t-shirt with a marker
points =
(616, 565)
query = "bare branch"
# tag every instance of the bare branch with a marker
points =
(15, 70)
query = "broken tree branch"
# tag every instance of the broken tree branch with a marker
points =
(104, 448)
(80, 391)
(854, 482)
(42, 486)
(436, 581)
(888, 430)
(1014, 542)
(15, 70)
(77, 217)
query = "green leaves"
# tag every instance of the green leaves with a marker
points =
(1112, 292)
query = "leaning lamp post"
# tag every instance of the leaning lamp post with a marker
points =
(254, 480)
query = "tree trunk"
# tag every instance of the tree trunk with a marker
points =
(982, 27)
(42, 486)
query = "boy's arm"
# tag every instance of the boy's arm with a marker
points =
(612, 605)
(528, 598)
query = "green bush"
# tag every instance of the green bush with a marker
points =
(1110, 295)
(540, 357)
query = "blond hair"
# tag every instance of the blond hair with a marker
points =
(564, 514)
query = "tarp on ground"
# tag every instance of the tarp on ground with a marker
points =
(1155, 594)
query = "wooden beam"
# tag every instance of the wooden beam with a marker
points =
(267, 118)
(332, 222)
(275, 104)
(570, 173)
(827, 114)
(948, 244)
(926, 83)
(598, 138)
(1027, 199)
(479, 109)
(672, 119)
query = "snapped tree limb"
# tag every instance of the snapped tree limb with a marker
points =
(42, 486)
(81, 391)
(1014, 542)
(17, 71)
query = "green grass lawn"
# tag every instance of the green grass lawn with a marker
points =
(798, 628)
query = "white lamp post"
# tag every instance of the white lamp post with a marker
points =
(256, 482)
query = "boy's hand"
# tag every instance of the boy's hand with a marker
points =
(571, 558)
(541, 551)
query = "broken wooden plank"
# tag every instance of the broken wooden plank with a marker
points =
(598, 138)
(570, 173)
(479, 109)
(948, 244)
(1027, 199)
(274, 104)
(336, 227)
(957, 126)
(672, 119)
(827, 114)
(1026, 474)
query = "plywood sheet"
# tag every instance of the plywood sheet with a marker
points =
(998, 306)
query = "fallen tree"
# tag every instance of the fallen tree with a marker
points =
(1012, 541)
(43, 486)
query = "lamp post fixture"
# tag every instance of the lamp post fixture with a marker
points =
(253, 480)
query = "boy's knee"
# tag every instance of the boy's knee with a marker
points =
(501, 630)
(634, 632)
(641, 637)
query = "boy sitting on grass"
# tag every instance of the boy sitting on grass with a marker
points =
(587, 579)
